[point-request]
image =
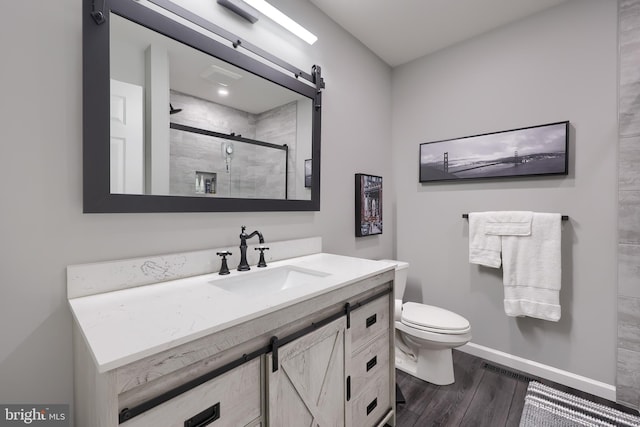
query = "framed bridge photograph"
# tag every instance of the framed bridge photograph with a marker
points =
(534, 150)
(368, 205)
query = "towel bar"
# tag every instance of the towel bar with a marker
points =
(564, 217)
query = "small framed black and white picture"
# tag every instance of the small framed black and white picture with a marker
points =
(368, 205)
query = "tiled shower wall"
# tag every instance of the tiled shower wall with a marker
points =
(628, 369)
(254, 172)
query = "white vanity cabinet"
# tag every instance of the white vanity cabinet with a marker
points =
(321, 360)
(339, 375)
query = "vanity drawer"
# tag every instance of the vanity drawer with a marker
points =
(369, 321)
(368, 364)
(372, 404)
(233, 397)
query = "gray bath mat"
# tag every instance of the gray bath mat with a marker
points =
(548, 407)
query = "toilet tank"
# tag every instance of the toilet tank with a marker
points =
(402, 269)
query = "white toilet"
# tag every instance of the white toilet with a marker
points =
(425, 335)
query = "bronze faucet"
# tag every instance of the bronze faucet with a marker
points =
(244, 265)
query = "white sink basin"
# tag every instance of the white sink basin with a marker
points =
(278, 279)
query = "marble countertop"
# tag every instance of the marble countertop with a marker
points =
(124, 326)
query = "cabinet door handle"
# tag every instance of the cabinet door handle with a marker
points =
(371, 406)
(205, 417)
(372, 320)
(371, 363)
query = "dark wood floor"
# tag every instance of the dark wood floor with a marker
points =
(480, 397)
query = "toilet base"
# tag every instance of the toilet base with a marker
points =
(432, 365)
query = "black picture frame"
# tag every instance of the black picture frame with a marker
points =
(308, 165)
(540, 150)
(368, 202)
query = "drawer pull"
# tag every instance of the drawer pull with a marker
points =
(371, 363)
(371, 406)
(205, 417)
(371, 320)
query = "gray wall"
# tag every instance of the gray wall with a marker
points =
(554, 66)
(628, 378)
(43, 229)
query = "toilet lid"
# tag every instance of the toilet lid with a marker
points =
(434, 319)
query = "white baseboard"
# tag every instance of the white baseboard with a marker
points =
(578, 382)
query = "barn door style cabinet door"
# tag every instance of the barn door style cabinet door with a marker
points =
(306, 379)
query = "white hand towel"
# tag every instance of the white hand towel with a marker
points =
(532, 269)
(508, 223)
(484, 249)
(484, 229)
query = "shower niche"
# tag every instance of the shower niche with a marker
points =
(206, 183)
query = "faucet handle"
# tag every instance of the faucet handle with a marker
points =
(224, 268)
(262, 262)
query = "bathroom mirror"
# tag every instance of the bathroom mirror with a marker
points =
(177, 121)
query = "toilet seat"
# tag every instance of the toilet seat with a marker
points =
(433, 319)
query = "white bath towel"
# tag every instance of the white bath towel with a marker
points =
(484, 229)
(532, 269)
(527, 245)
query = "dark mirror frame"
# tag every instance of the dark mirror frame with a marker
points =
(97, 197)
